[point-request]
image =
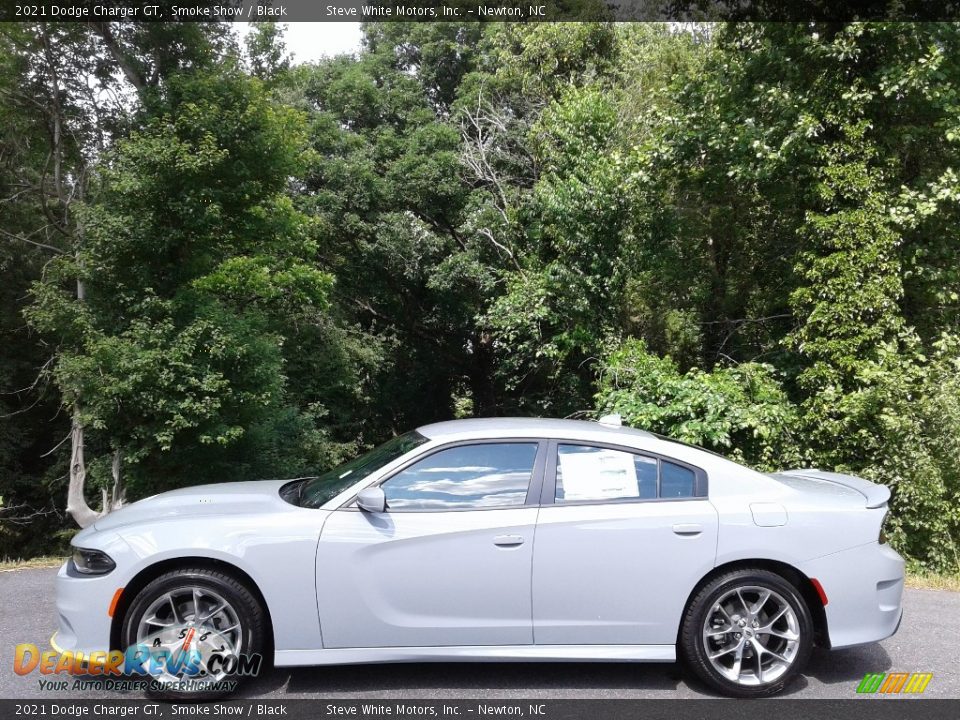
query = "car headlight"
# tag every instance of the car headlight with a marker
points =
(92, 562)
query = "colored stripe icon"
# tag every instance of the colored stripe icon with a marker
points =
(893, 683)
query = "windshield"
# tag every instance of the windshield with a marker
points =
(318, 490)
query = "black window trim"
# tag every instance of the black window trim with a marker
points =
(549, 485)
(534, 489)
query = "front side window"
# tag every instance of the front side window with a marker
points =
(587, 473)
(488, 475)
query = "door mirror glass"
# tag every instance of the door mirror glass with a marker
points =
(372, 500)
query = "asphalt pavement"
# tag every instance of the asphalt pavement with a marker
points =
(928, 641)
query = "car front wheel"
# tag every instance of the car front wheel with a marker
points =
(747, 633)
(191, 627)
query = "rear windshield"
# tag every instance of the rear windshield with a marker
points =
(667, 438)
(316, 491)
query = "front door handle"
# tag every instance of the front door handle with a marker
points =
(688, 529)
(508, 540)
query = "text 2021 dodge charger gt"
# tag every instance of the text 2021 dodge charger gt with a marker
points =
(498, 540)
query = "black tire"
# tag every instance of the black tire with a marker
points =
(248, 611)
(694, 652)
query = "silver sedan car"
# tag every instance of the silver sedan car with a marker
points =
(492, 540)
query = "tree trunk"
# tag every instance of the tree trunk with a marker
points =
(77, 506)
(117, 494)
(133, 75)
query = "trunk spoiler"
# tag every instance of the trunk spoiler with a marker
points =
(876, 495)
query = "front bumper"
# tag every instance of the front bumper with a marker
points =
(84, 602)
(864, 589)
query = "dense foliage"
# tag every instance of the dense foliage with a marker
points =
(220, 264)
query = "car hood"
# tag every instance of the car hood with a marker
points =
(233, 498)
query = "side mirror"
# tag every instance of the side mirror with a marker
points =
(372, 500)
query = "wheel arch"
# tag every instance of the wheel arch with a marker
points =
(788, 572)
(151, 572)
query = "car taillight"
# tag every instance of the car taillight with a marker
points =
(883, 530)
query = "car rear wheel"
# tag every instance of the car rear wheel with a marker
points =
(202, 621)
(747, 633)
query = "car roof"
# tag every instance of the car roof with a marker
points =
(525, 427)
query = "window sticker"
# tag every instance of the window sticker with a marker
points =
(598, 475)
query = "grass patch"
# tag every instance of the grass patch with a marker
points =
(932, 581)
(46, 561)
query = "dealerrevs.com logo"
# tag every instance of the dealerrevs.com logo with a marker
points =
(184, 659)
(894, 683)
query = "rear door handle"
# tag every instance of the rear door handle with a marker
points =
(688, 529)
(508, 540)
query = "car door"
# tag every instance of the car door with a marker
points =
(448, 563)
(621, 540)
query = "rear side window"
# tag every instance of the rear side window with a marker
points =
(587, 473)
(481, 476)
(676, 481)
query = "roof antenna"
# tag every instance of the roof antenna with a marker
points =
(613, 419)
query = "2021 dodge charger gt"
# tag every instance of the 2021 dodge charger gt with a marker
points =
(499, 540)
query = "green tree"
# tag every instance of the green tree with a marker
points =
(741, 411)
(266, 51)
(742, 235)
(194, 263)
(384, 185)
(807, 174)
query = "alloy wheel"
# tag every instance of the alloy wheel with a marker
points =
(191, 617)
(751, 635)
